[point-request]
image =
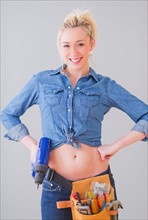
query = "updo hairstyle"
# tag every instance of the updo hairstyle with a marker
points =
(78, 18)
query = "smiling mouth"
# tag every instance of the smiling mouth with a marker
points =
(75, 60)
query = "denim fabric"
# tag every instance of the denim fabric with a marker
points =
(72, 115)
(52, 192)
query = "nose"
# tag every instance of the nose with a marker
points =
(73, 51)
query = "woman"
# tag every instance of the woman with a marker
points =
(73, 101)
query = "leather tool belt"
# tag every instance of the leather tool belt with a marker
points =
(88, 201)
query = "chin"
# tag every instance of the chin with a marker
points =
(76, 66)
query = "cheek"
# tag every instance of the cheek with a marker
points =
(63, 53)
(86, 50)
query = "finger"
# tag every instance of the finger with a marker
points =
(107, 157)
(102, 155)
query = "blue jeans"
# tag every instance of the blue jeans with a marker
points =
(52, 192)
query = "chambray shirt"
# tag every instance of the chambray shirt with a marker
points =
(72, 115)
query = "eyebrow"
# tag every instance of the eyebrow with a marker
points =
(76, 41)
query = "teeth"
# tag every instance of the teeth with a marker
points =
(76, 60)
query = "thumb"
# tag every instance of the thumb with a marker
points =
(103, 155)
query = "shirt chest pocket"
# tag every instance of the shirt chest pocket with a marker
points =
(53, 96)
(90, 98)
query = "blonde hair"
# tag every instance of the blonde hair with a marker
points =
(78, 18)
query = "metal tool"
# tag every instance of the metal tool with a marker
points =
(84, 209)
(114, 205)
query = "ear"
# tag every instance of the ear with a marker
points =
(92, 44)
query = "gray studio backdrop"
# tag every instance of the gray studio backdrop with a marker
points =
(28, 42)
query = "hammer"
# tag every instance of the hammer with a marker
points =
(114, 205)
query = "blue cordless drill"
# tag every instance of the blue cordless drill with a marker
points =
(39, 168)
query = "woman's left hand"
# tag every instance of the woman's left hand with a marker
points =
(107, 151)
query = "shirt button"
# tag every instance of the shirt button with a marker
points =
(69, 110)
(69, 96)
(68, 87)
(78, 88)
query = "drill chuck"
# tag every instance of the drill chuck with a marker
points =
(40, 171)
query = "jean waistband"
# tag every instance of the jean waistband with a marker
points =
(51, 175)
(108, 171)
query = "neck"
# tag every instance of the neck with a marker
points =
(77, 73)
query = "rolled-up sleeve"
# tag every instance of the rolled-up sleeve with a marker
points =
(10, 116)
(17, 132)
(136, 109)
(142, 126)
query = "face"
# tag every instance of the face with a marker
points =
(75, 47)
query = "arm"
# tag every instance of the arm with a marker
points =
(10, 116)
(108, 150)
(32, 145)
(137, 110)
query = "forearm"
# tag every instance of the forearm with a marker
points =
(128, 139)
(32, 145)
(108, 150)
(29, 142)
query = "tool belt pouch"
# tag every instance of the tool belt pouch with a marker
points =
(89, 212)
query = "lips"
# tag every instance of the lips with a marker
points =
(75, 60)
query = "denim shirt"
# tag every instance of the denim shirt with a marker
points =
(72, 115)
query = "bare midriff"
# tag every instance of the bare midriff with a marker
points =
(75, 164)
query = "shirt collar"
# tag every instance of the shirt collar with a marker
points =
(93, 74)
(59, 70)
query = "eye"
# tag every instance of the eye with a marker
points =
(81, 44)
(66, 45)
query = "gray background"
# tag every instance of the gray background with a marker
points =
(28, 42)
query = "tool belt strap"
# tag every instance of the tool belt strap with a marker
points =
(113, 212)
(68, 204)
(64, 204)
